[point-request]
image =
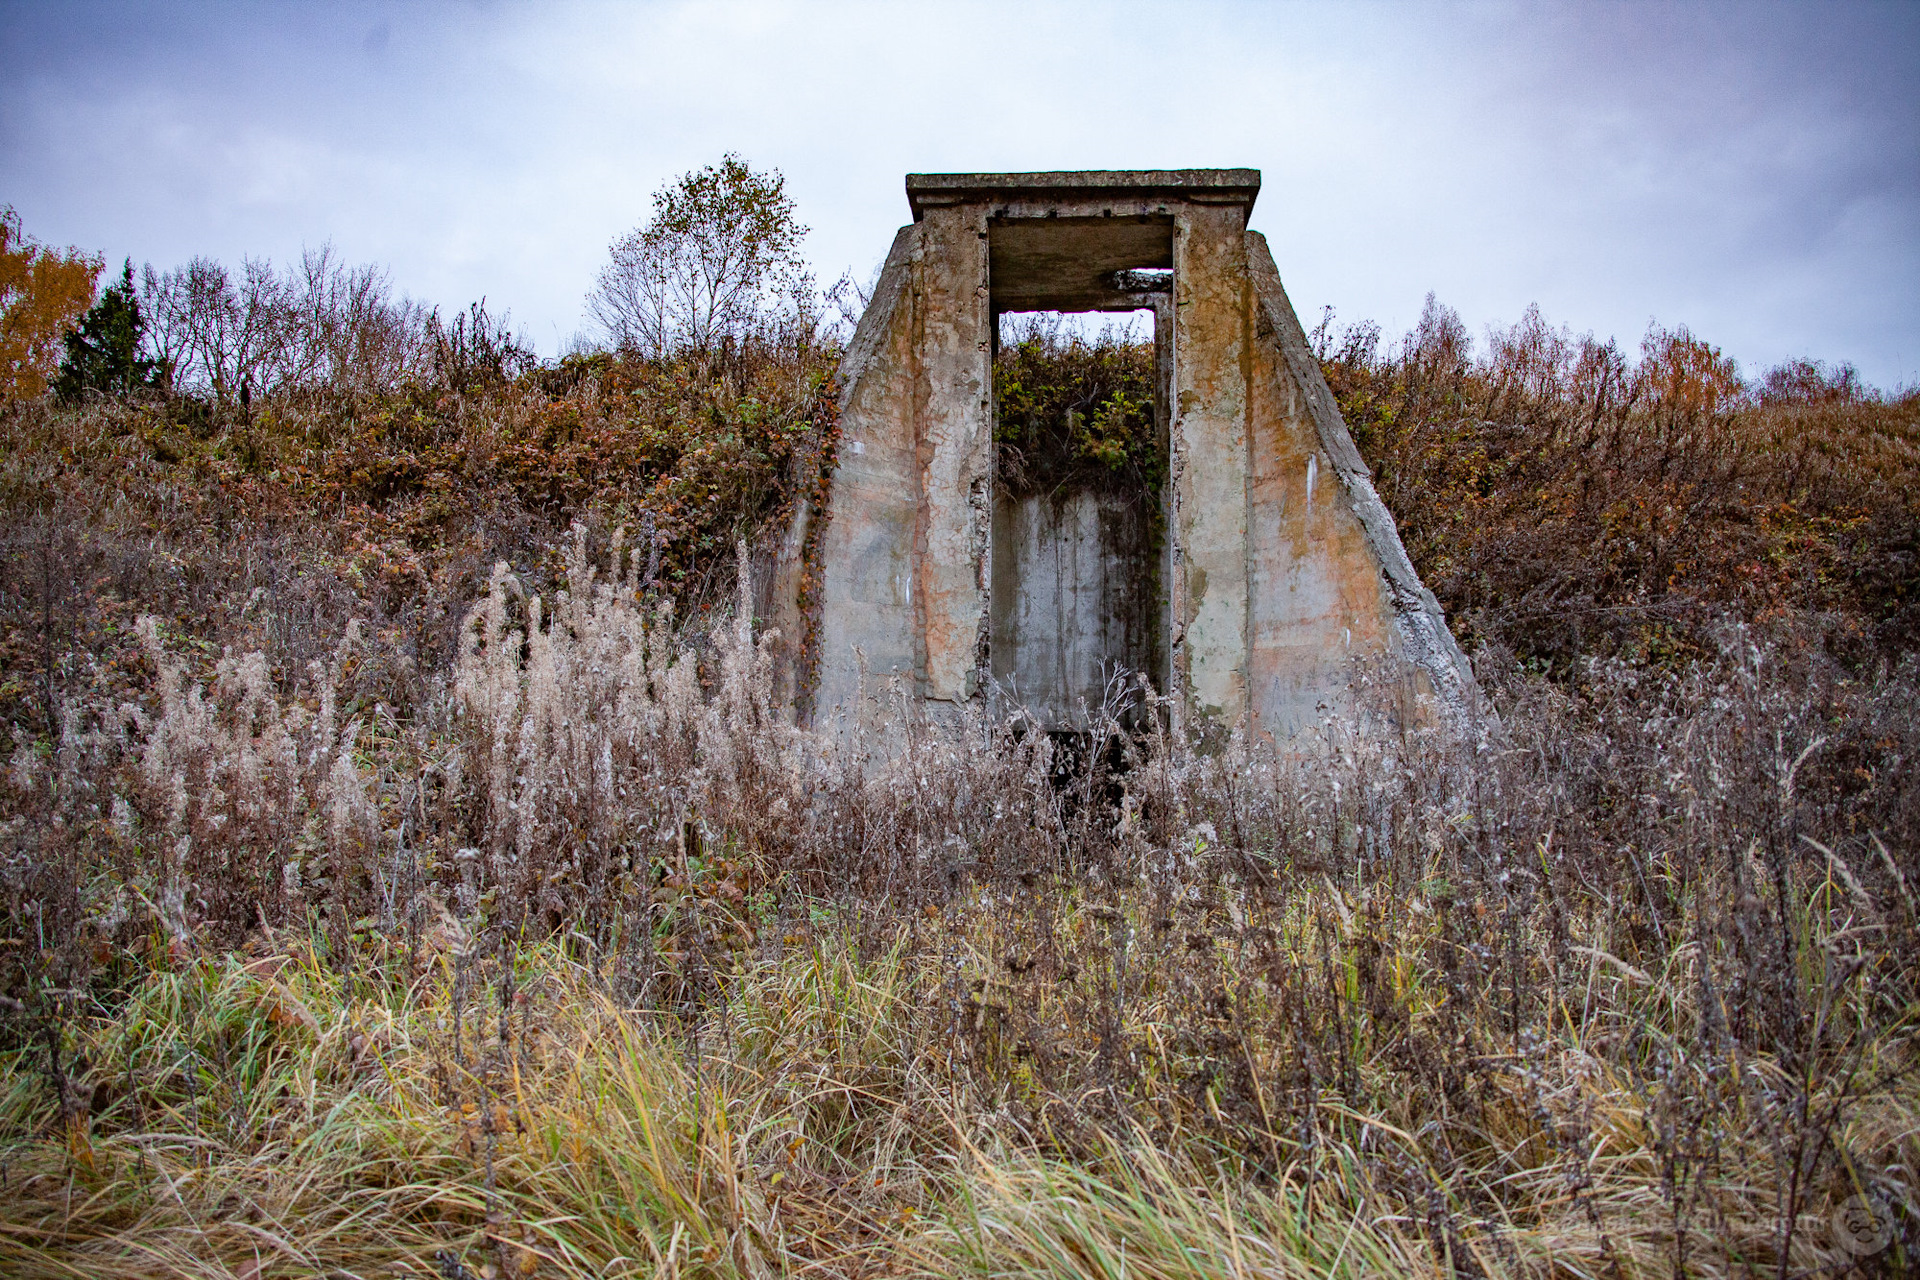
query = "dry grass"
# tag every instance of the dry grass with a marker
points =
(1368, 1012)
(531, 937)
(267, 1114)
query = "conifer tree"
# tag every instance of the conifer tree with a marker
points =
(103, 354)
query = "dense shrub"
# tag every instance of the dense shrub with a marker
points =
(273, 529)
(1075, 412)
(1565, 501)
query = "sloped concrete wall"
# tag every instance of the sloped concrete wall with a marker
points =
(866, 626)
(1332, 581)
(1317, 599)
(904, 591)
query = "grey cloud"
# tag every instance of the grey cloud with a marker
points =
(1753, 171)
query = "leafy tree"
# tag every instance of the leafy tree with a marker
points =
(103, 354)
(718, 259)
(42, 292)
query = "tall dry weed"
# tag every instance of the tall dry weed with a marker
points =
(1620, 984)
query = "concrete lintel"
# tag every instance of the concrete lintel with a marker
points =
(1086, 186)
(1086, 300)
(1111, 209)
(1077, 263)
(1125, 291)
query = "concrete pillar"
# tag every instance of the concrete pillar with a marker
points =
(954, 419)
(1210, 461)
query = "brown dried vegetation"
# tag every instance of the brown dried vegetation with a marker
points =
(515, 932)
(1563, 500)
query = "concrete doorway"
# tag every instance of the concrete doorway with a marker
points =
(1077, 596)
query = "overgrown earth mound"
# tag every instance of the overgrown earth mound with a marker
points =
(405, 870)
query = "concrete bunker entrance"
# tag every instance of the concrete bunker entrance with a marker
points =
(1077, 598)
(1256, 595)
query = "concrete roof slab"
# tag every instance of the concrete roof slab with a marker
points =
(1084, 192)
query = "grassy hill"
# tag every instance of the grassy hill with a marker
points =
(404, 872)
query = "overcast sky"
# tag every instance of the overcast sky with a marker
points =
(1748, 170)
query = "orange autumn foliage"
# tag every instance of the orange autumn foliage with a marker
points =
(43, 292)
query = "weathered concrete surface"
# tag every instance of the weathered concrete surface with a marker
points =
(867, 630)
(1317, 597)
(1281, 572)
(1209, 461)
(954, 425)
(904, 593)
(1069, 264)
(1085, 192)
(1071, 605)
(1370, 590)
